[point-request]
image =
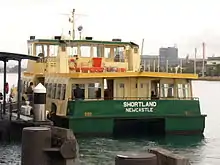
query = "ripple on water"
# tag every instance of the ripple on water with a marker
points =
(10, 154)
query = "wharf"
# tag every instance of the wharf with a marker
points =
(209, 78)
(12, 128)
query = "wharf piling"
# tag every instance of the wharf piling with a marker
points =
(48, 146)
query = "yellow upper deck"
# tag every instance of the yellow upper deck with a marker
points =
(90, 59)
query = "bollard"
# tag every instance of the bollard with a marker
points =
(136, 159)
(39, 103)
(34, 140)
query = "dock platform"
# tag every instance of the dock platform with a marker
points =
(11, 129)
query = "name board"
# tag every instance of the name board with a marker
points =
(139, 106)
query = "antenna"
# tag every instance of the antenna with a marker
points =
(80, 28)
(72, 21)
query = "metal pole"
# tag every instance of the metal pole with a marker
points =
(19, 90)
(154, 66)
(203, 60)
(144, 64)
(195, 61)
(4, 91)
(142, 47)
(167, 66)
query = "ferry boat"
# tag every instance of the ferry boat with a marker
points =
(119, 96)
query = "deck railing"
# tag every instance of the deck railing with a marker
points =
(137, 98)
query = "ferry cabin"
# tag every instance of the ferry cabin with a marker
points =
(110, 67)
(60, 89)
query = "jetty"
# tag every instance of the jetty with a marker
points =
(209, 78)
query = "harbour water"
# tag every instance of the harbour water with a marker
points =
(101, 151)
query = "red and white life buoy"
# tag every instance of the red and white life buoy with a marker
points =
(72, 60)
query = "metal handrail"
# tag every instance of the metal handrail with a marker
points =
(140, 98)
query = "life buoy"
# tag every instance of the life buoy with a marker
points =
(72, 60)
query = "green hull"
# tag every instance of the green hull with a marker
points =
(109, 117)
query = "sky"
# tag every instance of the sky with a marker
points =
(184, 23)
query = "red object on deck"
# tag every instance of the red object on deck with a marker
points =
(96, 62)
(96, 69)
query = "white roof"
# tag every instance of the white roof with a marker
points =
(40, 89)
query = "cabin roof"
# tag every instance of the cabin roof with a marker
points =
(57, 42)
(5, 56)
(159, 75)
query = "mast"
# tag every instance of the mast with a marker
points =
(73, 24)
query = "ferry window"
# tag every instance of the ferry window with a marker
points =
(82, 86)
(63, 92)
(58, 90)
(94, 91)
(142, 85)
(167, 90)
(53, 50)
(135, 50)
(71, 51)
(119, 54)
(46, 85)
(49, 90)
(85, 51)
(95, 51)
(39, 49)
(185, 91)
(53, 91)
(91, 91)
(107, 53)
(121, 85)
(45, 51)
(30, 49)
(180, 90)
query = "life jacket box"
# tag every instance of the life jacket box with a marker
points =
(26, 109)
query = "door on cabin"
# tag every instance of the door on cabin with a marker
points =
(109, 91)
(143, 90)
(155, 89)
(120, 91)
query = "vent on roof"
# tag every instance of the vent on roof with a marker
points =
(116, 39)
(88, 38)
(32, 37)
(57, 37)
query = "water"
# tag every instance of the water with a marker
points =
(101, 151)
